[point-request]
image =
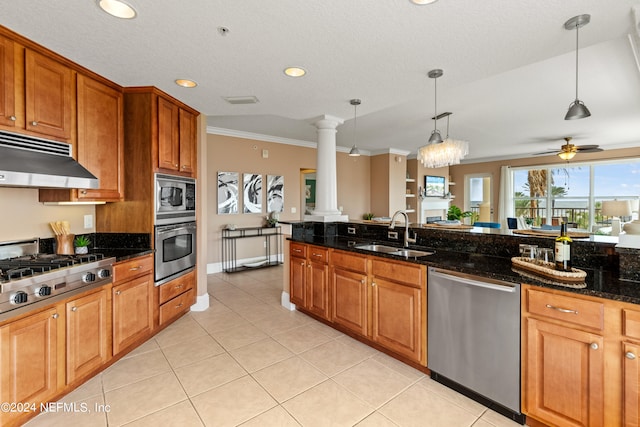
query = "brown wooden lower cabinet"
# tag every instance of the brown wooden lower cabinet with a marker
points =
(378, 299)
(88, 334)
(132, 306)
(176, 297)
(564, 375)
(309, 279)
(30, 358)
(350, 300)
(397, 318)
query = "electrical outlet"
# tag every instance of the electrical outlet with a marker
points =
(264, 244)
(293, 209)
(392, 235)
(88, 221)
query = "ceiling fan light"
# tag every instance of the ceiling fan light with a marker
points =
(567, 155)
(577, 110)
(435, 137)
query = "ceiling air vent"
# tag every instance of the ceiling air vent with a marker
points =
(235, 100)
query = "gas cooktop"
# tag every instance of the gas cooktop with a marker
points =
(29, 279)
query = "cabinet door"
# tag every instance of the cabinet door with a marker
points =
(101, 138)
(297, 281)
(318, 289)
(631, 384)
(29, 358)
(168, 145)
(7, 86)
(132, 312)
(564, 378)
(49, 95)
(87, 334)
(350, 300)
(397, 318)
(187, 141)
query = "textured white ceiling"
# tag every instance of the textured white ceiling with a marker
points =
(508, 65)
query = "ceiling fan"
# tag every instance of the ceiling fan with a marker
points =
(569, 150)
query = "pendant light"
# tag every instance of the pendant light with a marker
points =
(354, 150)
(577, 109)
(435, 137)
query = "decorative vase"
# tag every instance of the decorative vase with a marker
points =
(81, 250)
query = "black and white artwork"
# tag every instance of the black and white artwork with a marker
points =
(228, 192)
(275, 193)
(252, 185)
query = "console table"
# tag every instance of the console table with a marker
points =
(271, 236)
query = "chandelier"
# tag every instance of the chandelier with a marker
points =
(447, 153)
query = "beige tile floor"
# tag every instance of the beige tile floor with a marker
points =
(248, 361)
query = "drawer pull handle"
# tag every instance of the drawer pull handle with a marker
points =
(297, 250)
(34, 123)
(118, 292)
(74, 308)
(629, 355)
(318, 255)
(135, 268)
(594, 346)
(562, 310)
(55, 315)
(12, 118)
(179, 305)
(180, 286)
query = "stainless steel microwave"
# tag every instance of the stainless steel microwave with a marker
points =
(175, 199)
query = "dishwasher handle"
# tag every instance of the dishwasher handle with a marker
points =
(475, 281)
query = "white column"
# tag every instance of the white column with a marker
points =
(326, 209)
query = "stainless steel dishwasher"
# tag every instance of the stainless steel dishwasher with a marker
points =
(474, 338)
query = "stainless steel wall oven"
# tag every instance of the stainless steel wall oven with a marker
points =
(175, 251)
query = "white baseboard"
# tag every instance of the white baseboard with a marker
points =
(216, 267)
(284, 300)
(202, 303)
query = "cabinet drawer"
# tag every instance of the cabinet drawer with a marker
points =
(566, 308)
(631, 323)
(318, 254)
(176, 287)
(132, 268)
(409, 274)
(298, 249)
(175, 307)
(349, 261)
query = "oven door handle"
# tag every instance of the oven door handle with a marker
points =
(166, 228)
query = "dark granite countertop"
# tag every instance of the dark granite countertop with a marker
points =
(123, 254)
(599, 282)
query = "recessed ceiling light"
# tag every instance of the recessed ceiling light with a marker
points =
(186, 83)
(423, 2)
(117, 8)
(295, 71)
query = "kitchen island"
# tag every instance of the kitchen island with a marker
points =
(572, 337)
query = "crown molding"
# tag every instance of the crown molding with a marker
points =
(275, 139)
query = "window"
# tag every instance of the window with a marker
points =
(574, 193)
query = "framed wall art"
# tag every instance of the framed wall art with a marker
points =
(228, 192)
(434, 186)
(275, 193)
(252, 193)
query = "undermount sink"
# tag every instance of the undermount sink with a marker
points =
(377, 248)
(391, 250)
(410, 253)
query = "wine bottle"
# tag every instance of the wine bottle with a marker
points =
(563, 249)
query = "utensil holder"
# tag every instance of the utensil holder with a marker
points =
(64, 244)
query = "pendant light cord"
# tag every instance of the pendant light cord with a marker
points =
(355, 122)
(577, 45)
(435, 104)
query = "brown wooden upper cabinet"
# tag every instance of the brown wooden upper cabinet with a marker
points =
(37, 92)
(176, 137)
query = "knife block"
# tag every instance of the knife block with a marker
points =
(64, 244)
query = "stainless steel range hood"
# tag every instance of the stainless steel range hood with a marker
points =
(27, 161)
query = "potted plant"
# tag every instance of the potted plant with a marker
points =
(368, 216)
(455, 213)
(271, 220)
(82, 244)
